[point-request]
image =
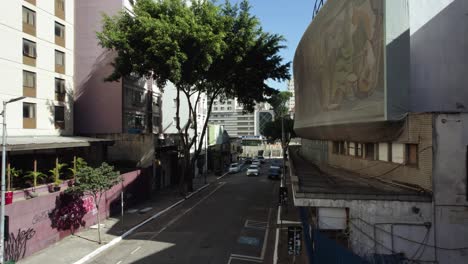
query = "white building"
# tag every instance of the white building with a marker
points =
(230, 114)
(36, 61)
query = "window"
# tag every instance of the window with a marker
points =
(59, 58)
(59, 117)
(29, 110)
(352, 148)
(29, 48)
(29, 79)
(59, 30)
(383, 151)
(412, 154)
(369, 150)
(342, 149)
(336, 147)
(398, 153)
(215, 108)
(29, 16)
(229, 102)
(221, 108)
(229, 108)
(60, 89)
(359, 150)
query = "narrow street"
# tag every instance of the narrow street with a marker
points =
(228, 222)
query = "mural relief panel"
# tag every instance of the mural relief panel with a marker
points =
(338, 66)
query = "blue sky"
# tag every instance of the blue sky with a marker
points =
(289, 18)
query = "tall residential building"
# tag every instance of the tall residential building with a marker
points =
(382, 110)
(127, 111)
(36, 61)
(230, 114)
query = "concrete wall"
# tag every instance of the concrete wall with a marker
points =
(33, 215)
(450, 186)
(418, 130)
(11, 66)
(439, 55)
(137, 148)
(315, 150)
(98, 104)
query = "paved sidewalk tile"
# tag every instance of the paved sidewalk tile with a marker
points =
(74, 247)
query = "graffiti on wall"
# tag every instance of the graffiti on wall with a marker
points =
(16, 245)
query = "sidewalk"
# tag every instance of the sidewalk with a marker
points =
(74, 247)
(289, 216)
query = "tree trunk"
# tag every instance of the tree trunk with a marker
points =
(98, 220)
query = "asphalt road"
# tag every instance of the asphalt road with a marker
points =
(231, 222)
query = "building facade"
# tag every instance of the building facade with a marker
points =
(291, 104)
(127, 111)
(230, 114)
(37, 62)
(382, 166)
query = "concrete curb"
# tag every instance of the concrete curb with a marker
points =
(133, 229)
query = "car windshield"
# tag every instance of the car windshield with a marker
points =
(234, 165)
(254, 167)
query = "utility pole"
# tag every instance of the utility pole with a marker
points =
(2, 197)
(284, 153)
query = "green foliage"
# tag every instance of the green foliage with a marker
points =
(77, 165)
(220, 50)
(56, 173)
(278, 102)
(94, 181)
(14, 172)
(35, 175)
(272, 130)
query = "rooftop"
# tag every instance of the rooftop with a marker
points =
(312, 181)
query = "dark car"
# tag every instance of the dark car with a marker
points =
(261, 159)
(248, 160)
(274, 172)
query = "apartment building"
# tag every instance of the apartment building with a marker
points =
(381, 175)
(170, 139)
(230, 114)
(37, 67)
(127, 111)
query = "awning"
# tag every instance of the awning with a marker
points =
(52, 142)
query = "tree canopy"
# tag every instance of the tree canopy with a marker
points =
(278, 103)
(202, 47)
(272, 130)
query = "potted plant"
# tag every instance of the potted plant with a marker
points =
(78, 163)
(55, 187)
(34, 175)
(12, 172)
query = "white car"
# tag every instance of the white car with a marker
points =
(253, 170)
(256, 162)
(234, 168)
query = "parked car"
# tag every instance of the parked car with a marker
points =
(234, 168)
(248, 160)
(253, 170)
(261, 159)
(256, 162)
(274, 172)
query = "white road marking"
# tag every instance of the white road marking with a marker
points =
(265, 239)
(186, 211)
(134, 251)
(119, 262)
(222, 175)
(245, 257)
(275, 255)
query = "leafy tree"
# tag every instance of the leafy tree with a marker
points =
(94, 182)
(273, 131)
(278, 103)
(202, 48)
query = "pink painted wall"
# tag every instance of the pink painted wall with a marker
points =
(98, 104)
(34, 213)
